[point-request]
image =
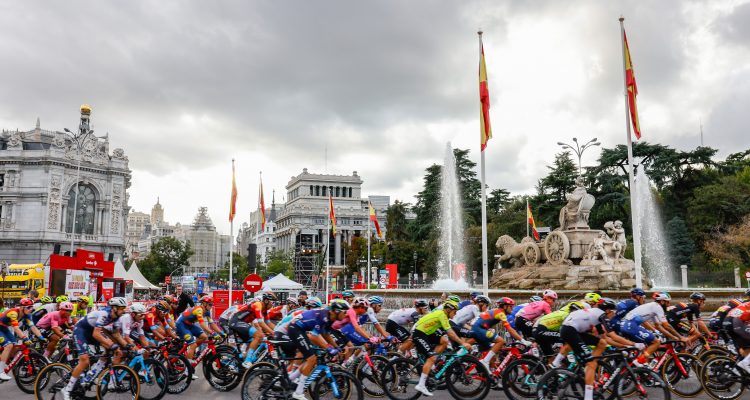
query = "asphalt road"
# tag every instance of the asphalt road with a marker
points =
(200, 389)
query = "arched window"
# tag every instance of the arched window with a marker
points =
(85, 210)
(311, 190)
(317, 190)
(350, 192)
(338, 191)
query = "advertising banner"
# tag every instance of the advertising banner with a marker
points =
(76, 283)
(108, 290)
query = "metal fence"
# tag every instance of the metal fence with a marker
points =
(707, 278)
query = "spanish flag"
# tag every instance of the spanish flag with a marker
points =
(332, 214)
(531, 222)
(233, 199)
(374, 219)
(632, 88)
(262, 208)
(485, 130)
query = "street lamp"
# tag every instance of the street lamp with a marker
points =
(79, 139)
(415, 267)
(579, 149)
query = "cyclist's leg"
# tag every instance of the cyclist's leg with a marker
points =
(302, 343)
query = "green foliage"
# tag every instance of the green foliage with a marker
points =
(398, 227)
(718, 205)
(551, 189)
(167, 255)
(279, 262)
(240, 269)
(680, 244)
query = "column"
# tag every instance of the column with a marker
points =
(337, 249)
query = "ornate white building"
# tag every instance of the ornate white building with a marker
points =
(38, 182)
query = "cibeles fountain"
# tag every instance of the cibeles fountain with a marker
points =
(574, 256)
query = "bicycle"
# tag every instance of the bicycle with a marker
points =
(721, 379)
(153, 376)
(25, 365)
(681, 371)
(367, 368)
(179, 370)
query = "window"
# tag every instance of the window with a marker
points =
(84, 210)
(338, 191)
(324, 191)
(350, 192)
(317, 190)
(2, 180)
(311, 190)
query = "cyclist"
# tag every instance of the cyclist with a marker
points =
(397, 319)
(80, 308)
(187, 328)
(429, 340)
(301, 299)
(737, 326)
(472, 298)
(691, 311)
(526, 317)
(576, 333)
(131, 325)
(91, 330)
(639, 325)
(11, 322)
(47, 308)
(44, 300)
(519, 307)
(313, 327)
(156, 324)
(716, 320)
(53, 326)
(637, 297)
(483, 333)
(348, 296)
(251, 324)
(546, 330)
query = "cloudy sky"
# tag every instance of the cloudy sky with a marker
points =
(185, 86)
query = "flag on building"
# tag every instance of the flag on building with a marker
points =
(332, 214)
(262, 208)
(233, 199)
(374, 219)
(531, 222)
(485, 130)
(632, 88)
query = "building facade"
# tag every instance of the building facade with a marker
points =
(203, 240)
(263, 239)
(57, 187)
(137, 222)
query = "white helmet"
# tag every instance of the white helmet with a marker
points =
(550, 293)
(117, 302)
(138, 308)
(360, 301)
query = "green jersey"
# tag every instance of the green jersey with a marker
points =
(433, 321)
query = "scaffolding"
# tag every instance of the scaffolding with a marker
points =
(306, 260)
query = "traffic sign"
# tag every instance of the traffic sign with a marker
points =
(747, 274)
(167, 280)
(252, 283)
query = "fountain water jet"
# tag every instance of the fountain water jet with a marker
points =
(656, 254)
(451, 245)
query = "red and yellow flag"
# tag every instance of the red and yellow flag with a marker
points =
(233, 199)
(262, 208)
(632, 88)
(374, 219)
(485, 130)
(332, 214)
(530, 218)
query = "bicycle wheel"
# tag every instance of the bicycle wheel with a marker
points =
(262, 384)
(468, 379)
(560, 384)
(399, 377)
(25, 372)
(721, 380)
(51, 380)
(682, 372)
(154, 379)
(370, 376)
(642, 383)
(117, 382)
(340, 385)
(714, 352)
(520, 378)
(179, 373)
(223, 371)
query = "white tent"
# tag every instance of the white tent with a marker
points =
(120, 272)
(139, 281)
(281, 282)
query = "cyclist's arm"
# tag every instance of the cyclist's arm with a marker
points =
(57, 330)
(665, 328)
(264, 326)
(513, 333)
(380, 330)
(100, 337)
(454, 337)
(118, 338)
(703, 327)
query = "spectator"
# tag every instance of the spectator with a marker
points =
(34, 295)
(183, 300)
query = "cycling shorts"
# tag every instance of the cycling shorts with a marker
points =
(580, 342)
(633, 330)
(243, 330)
(546, 339)
(740, 332)
(353, 336)
(300, 341)
(485, 337)
(7, 336)
(425, 343)
(524, 326)
(397, 331)
(83, 338)
(188, 333)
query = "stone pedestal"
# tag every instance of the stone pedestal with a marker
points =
(589, 275)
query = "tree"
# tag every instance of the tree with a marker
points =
(496, 201)
(167, 255)
(397, 224)
(733, 245)
(240, 269)
(681, 246)
(551, 189)
(428, 205)
(717, 206)
(279, 262)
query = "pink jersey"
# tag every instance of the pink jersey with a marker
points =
(351, 317)
(52, 319)
(534, 310)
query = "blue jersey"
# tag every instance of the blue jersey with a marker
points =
(313, 321)
(513, 312)
(464, 303)
(101, 318)
(622, 309)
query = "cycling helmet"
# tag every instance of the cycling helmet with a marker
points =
(483, 299)
(535, 298)
(607, 304)
(117, 302)
(60, 299)
(137, 308)
(637, 292)
(84, 299)
(347, 293)
(314, 302)
(162, 306)
(474, 295)
(455, 298)
(292, 301)
(419, 303)
(550, 293)
(506, 301)
(360, 302)
(592, 298)
(26, 302)
(46, 299)
(376, 300)
(266, 296)
(575, 306)
(697, 296)
(338, 305)
(450, 305)
(65, 306)
(662, 296)
(734, 303)
(208, 299)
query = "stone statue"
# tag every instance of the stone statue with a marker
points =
(512, 250)
(575, 214)
(598, 250)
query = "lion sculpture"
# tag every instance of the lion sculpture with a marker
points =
(511, 250)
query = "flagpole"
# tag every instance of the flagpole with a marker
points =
(328, 247)
(485, 273)
(369, 274)
(527, 218)
(631, 179)
(231, 235)
(258, 218)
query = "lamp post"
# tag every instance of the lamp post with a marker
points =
(579, 149)
(415, 267)
(78, 139)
